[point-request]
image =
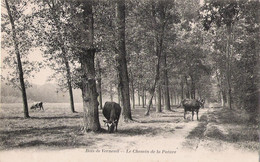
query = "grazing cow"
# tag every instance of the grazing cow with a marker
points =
(191, 105)
(111, 111)
(37, 105)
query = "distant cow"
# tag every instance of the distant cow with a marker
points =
(111, 111)
(191, 105)
(37, 105)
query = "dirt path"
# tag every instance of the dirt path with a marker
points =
(157, 140)
(164, 135)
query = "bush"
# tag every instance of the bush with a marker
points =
(215, 131)
(204, 118)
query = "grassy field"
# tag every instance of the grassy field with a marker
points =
(220, 127)
(57, 128)
(54, 127)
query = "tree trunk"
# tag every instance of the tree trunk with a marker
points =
(64, 55)
(19, 62)
(155, 98)
(171, 97)
(68, 76)
(228, 53)
(175, 98)
(182, 90)
(99, 82)
(122, 64)
(157, 77)
(158, 44)
(90, 103)
(187, 87)
(222, 92)
(152, 104)
(119, 96)
(143, 98)
(72, 108)
(162, 96)
(133, 94)
(192, 87)
(89, 92)
(223, 98)
(139, 96)
(167, 104)
(133, 98)
(159, 104)
(132, 89)
(199, 93)
(111, 93)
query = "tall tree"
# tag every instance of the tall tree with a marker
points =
(164, 17)
(245, 67)
(99, 83)
(121, 60)
(105, 32)
(87, 58)
(159, 103)
(11, 10)
(223, 13)
(51, 15)
(162, 14)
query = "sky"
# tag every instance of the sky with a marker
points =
(42, 76)
(36, 55)
(201, 2)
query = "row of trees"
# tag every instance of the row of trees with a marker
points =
(168, 49)
(234, 26)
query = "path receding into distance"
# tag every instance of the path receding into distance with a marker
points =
(164, 147)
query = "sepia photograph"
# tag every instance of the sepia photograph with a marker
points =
(130, 80)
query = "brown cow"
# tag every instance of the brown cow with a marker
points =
(191, 105)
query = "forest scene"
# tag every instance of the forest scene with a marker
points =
(132, 80)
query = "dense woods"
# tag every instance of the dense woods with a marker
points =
(150, 52)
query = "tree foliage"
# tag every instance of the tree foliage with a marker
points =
(193, 47)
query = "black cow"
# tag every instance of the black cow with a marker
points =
(191, 105)
(112, 112)
(37, 105)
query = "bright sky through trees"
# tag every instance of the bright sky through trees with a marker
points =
(35, 55)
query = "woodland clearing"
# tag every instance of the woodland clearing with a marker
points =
(55, 134)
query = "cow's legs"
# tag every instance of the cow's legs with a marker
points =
(184, 114)
(41, 106)
(192, 114)
(197, 114)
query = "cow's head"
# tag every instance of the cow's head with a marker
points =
(202, 102)
(110, 125)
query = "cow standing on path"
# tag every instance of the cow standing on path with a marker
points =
(191, 105)
(37, 105)
(111, 111)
